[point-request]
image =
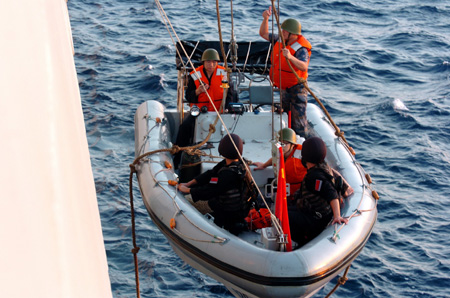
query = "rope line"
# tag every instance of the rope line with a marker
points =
(136, 248)
(341, 282)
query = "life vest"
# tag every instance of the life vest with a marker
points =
(288, 79)
(239, 198)
(311, 202)
(215, 90)
(295, 171)
(258, 218)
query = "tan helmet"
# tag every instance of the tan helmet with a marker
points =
(288, 135)
(292, 26)
(210, 54)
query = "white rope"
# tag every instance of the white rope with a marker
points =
(246, 57)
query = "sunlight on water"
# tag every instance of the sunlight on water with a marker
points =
(399, 105)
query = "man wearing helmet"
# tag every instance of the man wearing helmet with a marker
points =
(295, 171)
(223, 187)
(318, 200)
(211, 74)
(298, 53)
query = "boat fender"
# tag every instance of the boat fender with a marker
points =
(173, 223)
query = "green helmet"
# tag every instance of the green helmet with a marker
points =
(210, 54)
(288, 135)
(292, 26)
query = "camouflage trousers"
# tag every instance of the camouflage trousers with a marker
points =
(295, 99)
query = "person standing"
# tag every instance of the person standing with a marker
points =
(298, 52)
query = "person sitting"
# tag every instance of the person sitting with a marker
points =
(294, 169)
(318, 200)
(211, 74)
(223, 187)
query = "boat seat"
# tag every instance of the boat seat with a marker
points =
(260, 95)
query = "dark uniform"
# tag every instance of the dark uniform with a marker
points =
(313, 212)
(223, 187)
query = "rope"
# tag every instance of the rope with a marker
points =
(135, 249)
(341, 281)
(222, 49)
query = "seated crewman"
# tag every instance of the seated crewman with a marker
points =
(223, 187)
(211, 74)
(294, 169)
(318, 200)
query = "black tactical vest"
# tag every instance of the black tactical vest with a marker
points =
(311, 202)
(239, 197)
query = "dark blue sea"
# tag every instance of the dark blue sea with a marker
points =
(382, 69)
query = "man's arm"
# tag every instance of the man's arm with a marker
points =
(299, 64)
(337, 218)
(264, 28)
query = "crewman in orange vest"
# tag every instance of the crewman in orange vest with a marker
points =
(292, 152)
(211, 74)
(298, 52)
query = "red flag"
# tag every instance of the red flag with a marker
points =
(281, 211)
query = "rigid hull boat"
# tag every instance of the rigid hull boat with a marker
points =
(253, 263)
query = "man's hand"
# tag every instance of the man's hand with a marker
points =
(201, 89)
(287, 53)
(183, 188)
(339, 220)
(259, 166)
(267, 13)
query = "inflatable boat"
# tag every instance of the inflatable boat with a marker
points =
(253, 263)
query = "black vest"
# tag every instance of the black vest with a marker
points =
(236, 199)
(311, 202)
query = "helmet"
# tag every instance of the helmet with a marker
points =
(313, 150)
(292, 26)
(226, 147)
(210, 54)
(288, 135)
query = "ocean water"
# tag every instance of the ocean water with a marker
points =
(382, 69)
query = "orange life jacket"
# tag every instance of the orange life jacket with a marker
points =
(295, 171)
(215, 90)
(288, 79)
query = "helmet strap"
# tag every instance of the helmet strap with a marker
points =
(289, 37)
